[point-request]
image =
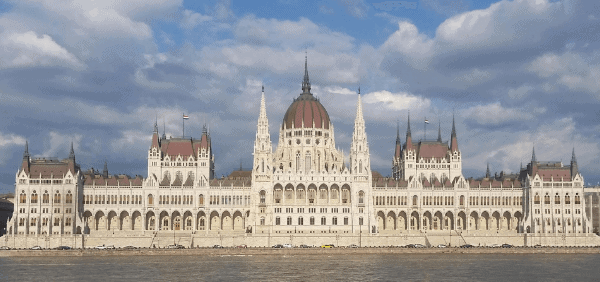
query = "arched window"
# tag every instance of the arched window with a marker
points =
(323, 221)
(300, 221)
(567, 199)
(577, 200)
(361, 197)
(201, 200)
(536, 199)
(462, 200)
(46, 198)
(297, 161)
(289, 220)
(150, 199)
(547, 199)
(557, 199)
(57, 197)
(69, 198)
(312, 220)
(34, 197)
(415, 200)
(22, 197)
(277, 221)
(345, 196)
(263, 195)
(308, 162)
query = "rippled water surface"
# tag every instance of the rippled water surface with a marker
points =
(393, 267)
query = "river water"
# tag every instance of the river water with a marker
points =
(353, 267)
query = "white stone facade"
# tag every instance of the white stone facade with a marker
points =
(303, 188)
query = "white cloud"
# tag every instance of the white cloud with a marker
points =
(520, 92)
(60, 143)
(553, 141)
(355, 8)
(192, 19)
(396, 101)
(569, 69)
(29, 49)
(338, 90)
(495, 114)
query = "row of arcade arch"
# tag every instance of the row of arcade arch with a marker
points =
(439, 220)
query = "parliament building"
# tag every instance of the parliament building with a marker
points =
(301, 192)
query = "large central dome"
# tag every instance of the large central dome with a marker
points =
(306, 111)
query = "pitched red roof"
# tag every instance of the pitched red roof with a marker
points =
(548, 174)
(430, 150)
(46, 170)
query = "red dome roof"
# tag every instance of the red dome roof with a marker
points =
(306, 109)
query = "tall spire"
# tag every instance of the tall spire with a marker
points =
(397, 132)
(574, 167)
(72, 152)
(453, 138)
(306, 82)
(439, 132)
(487, 172)
(453, 127)
(156, 125)
(408, 128)
(105, 170)
(164, 136)
(533, 159)
(26, 153)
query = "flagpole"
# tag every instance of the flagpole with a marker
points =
(183, 117)
(425, 129)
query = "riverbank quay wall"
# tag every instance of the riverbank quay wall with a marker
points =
(189, 240)
(289, 251)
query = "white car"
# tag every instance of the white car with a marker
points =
(441, 246)
(288, 245)
(101, 247)
(36, 248)
(495, 246)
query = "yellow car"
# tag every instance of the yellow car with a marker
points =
(328, 246)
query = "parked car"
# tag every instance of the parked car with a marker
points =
(36, 248)
(110, 247)
(328, 246)
(537, 246)
(495, 246)
(288, 245)
(507, 246)
(441, 246)
(467, 246)
(419, 246)
(410, 246)
(278, 246)
(242, 246)
(63, 248)
(101, 247)
(4, 248)
(353, 246)
(129, 247)
(217, 247)
(175, 246)
(304, 246)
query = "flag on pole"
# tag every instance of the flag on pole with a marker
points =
(186, 117)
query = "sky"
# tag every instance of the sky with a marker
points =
(515, 74)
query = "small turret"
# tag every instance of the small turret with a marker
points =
(72, 152)
(408, 136)
(574, 168)
(533, 159)
(105, 170)
(487, 172)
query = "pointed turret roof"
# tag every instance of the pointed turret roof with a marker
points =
(487, 172)
(439, 139)
(26, 152)
(397, 133)
(453, 138)
(72, 152)
(306, 81)
(573, 158)
(533, 159)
